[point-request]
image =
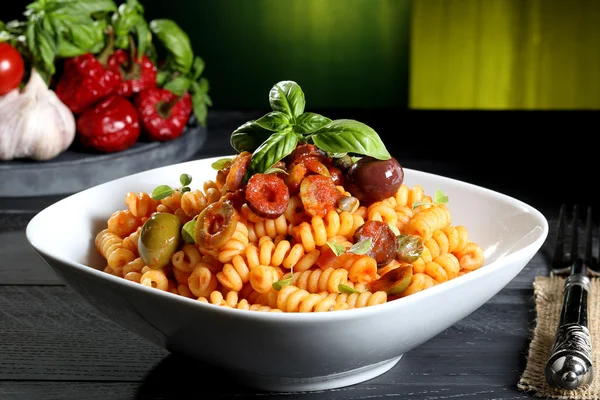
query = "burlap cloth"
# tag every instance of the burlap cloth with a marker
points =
(548, 292)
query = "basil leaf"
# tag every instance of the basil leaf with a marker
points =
(85, 6)
(179, 85)
(161, 192)
(284, 282)
(187, 232)
(310, 122)
(185, 179)
(276, 171)
(276, 147)
(201, 100)
(78, 36)
(275, 121)
(361, 247)
(221, 163)
(197, 68)
(176, 42)
(249, 137)
(129, 18)
(287, 97)
(347, 289)
(419, 203)
(350, 136)
(439, 197)
(338, 249)
(43, 48)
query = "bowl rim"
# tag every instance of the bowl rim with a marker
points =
(388, 307)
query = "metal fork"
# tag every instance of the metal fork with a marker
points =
(570, 363)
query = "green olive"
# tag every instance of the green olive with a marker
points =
(215, 225)
(160, 238)
(393, 282)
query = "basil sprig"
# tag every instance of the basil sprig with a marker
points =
(275, 135)
(65, 28)
(182, 71)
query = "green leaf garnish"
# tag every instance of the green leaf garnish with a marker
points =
(438, 198)
(276, 147)
(275, 121)
(338, 249)
(347, 289)
(185, 189)
(276, 171)
(276, 134)
(346, 135)
(284, 282)
(187, 232)
(288, 98)
(161, 192)
(222, 163)
(185, 179)
(394, 229)
(361, 247)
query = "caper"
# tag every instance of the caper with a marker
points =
(410, 247)
(159, 239)
(348, 203)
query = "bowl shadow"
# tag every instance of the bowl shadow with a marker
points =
(179, 376)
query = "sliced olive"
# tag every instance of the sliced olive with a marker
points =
(159, 239)
(410, 247)
(393, 282)
(215, 225)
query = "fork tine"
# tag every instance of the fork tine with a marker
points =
(558, 256)
(574, 234)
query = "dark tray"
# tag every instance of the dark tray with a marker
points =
(77, 169)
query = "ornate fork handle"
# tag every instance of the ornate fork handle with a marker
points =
(570, 363)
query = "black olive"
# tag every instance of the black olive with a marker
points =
(371, 180)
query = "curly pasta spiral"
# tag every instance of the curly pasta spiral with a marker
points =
(419, 282)
(195, 201)
(359, 300)
(471, 257)
(235, 245)
(234, 274)
(141, 204)
(319, 280)
(443, 268)
(202, 281)
(282, 254)
(123, 223)
(187, 258)
(428, 221)
(268, 227)
(361, 268)
(262, 278)
(109, 245)
(293, 299)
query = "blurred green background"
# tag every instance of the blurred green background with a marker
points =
(343, 53)
(408, 54)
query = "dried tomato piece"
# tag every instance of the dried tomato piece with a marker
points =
(294, 178)
(238, 169)
(384, 245)
(267, 195)
(215, 225)
(319, 195)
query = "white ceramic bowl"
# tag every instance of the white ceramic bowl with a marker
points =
(285, 351)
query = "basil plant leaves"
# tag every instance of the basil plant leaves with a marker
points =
(275, 135)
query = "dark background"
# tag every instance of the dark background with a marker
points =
(361, 71)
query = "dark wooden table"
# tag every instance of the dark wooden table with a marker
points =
(54, 346)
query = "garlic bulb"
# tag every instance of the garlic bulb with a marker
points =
(34, 123)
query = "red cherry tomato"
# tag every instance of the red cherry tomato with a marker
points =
(12, 68)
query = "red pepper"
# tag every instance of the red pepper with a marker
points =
(163, 114)
(85, 81)
(109, 126)
(136, 75)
